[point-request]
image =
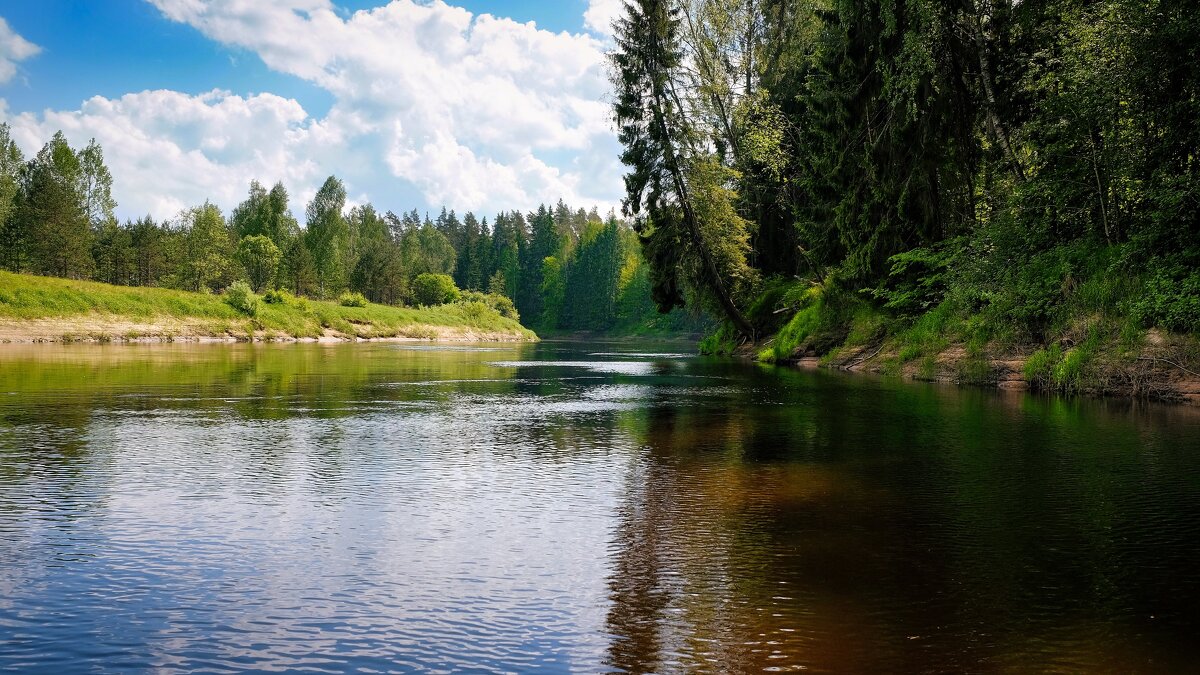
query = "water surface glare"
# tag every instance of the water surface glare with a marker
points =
(577, 508)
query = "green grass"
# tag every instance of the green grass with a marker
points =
(27, 297)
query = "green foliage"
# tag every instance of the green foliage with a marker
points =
(425, 250)
(501, 304)
(277, 296)
(351, 299)
(429, 290)
(722, 341)
(572, 269)
(981, 172)
(1171, 299)
(1067, 371)
(113, 253)
(327, 236)
(265, 214)
(52, 219)
(928, 335)
(259, 257)
(917, 279)
(241, 297)
(380, 274)
(821, 322)
(207, 249)
(682, 197)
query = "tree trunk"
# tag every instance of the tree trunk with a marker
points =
(716, 284)
(985, 76)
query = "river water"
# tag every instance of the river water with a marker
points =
(577, 508)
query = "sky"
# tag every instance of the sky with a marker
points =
(482, 105)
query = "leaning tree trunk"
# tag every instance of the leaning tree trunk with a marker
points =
(715, 282)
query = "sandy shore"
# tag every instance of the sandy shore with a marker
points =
(105, 329)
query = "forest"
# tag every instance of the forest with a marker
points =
(560, 269)
(912, 174)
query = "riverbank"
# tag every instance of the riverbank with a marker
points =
(1158, 369)
(37, 309)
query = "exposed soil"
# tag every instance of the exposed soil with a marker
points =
(1160, 372)
(103, 329)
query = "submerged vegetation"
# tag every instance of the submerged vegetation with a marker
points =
(894, 182)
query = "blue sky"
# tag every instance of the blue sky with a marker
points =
(413, 103)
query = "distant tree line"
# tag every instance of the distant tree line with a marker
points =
(564, 268)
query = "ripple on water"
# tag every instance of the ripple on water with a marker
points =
(374, 507)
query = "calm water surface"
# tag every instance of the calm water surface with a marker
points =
(577, 508)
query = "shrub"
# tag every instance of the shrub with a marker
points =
(240, 297)
(917, 279)
(500, 303)
(278, 296)
(352, 300)
(434, 289)
(1171, 300)
(475, 311)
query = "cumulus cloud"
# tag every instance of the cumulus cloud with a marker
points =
(473, 111)
(601, 14)
(13, 49)
(168, 151)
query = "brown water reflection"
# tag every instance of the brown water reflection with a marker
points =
(878, 527)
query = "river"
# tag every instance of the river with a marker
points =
(568, 507)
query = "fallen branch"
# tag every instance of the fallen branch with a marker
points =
(1169, 361)
(864, 360)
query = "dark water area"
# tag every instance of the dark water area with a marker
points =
(569, 507)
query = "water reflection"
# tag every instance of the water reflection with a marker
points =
(556, 508)
(868, 526)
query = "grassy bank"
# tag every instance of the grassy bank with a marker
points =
(38, 309)
(1092, 332)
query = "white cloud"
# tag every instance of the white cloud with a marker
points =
(601, 14)
(429, 101)
(168, 151)
(473, 111)
(13, 49)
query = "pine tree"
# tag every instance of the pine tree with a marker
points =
(53, 213)
(14, 239)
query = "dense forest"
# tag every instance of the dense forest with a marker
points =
(564, 269)
(923, 172)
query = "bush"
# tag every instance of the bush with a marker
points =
(434, 289)
(1054, 369)
(500, 303)
(1171, 300)
(917, 279)
(278, 296)
(241, 297)
(352, 300)
(475, 311)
